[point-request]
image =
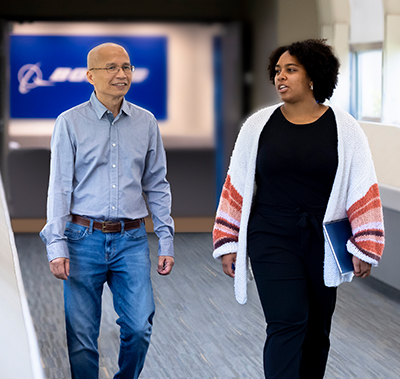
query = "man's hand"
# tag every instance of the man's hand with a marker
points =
(361, 269)
(228, 264)
(165, 264)
(60, 268)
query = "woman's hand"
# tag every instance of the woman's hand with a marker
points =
(361, 269)
(228, 264)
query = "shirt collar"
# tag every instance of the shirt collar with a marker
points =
(100, 109)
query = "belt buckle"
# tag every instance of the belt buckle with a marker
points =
(103, 226)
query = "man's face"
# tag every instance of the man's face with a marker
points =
(110, 86)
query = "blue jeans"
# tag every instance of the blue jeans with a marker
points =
(122, 260)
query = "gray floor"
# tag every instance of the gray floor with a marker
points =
(199, 329)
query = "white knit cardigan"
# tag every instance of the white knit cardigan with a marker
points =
(354, 177)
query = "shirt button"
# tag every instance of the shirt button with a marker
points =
(114, 144)
(113, 185)
(114, 165)
(113, 207)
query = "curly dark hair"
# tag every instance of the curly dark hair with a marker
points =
(319, 60)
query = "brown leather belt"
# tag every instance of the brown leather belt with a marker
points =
(107, 226)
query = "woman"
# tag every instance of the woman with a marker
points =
(297, 165)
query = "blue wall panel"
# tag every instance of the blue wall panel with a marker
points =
(48, 73)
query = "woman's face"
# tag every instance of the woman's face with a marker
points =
(291, 80)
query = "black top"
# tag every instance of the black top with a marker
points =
(296, 164)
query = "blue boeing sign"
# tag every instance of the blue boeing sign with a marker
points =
(48, 73)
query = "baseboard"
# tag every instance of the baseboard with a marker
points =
(27, 225)
(194, 224)
(182, 225)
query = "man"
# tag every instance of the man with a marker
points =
(106, 153)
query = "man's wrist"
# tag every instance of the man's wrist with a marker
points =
(57, 250)
(166, 247)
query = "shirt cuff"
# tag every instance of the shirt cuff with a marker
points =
(57, 250)
(166, 247)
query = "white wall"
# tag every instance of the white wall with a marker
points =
(366, 12)
(391, 72)
(384, 141)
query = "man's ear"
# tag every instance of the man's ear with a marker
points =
(89, 75)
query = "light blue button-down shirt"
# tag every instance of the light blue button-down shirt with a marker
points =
(100, 168)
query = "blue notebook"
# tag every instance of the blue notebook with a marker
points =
(337, 234)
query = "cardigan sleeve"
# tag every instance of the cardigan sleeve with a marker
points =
(227, 220)
(229, 212)
(364, 207)
(366, 219)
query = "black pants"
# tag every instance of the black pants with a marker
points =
(286, 250)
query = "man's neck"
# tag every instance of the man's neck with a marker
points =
(113, 104)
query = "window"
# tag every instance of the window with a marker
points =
(367, 84)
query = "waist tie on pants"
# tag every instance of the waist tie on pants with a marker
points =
(309, 223)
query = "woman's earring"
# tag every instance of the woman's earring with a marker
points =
(311, 87)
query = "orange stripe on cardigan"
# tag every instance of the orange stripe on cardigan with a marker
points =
(229, 193)
(231, 205)
(362, 215)
(222, 224)
(230, 209)
(222, 242)
(369, 201)
(221, 237)
(371, 249)
(364, 218)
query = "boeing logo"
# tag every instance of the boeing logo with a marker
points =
(30, 76)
